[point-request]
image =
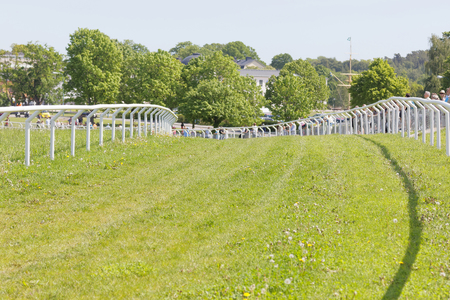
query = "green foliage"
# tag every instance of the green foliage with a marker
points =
(377, 83)
(33, 77)
(152, 77)
(416, 90)
(239, 50)
(278, 61)
(439, 63)
(184, 49)
(338, 96)
(94, 66)
(297, 91)
(215, 92)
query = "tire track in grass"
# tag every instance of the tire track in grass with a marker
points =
(415, 227)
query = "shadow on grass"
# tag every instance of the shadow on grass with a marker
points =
(415, 229)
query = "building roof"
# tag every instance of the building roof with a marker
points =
(187, 59)
(248, 60)
(259, 73)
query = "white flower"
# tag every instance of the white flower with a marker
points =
(291, 255)
(301, 244)
(442, 274)
(252, 287)
(323, 260)
(381, 189)
(304, 259)
(395, 220)
(263, 291)
(437, 203)
(290, 238)
(296, 204)
(338, 231)
(287, 281)
(294, 231)
(271, 255)
(276, 266)
(271, 261)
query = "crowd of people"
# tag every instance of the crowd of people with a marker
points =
(443, 95)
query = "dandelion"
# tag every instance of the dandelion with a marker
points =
(401, 263)
(309, 245)
(395, 220)
(246, 294)
(243, 238)
(287, 281)
(301, 259)
(291, 255)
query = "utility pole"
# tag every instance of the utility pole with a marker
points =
(349, 80)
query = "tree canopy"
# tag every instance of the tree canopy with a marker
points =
(377, 83)
(215, 92)
(94, 66)
(296, 91)
(34, 75)
(278, 61)
(152, 77)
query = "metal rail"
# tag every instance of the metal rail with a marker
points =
(393, 115)
(161, 124)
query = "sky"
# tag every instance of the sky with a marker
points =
(304, 29)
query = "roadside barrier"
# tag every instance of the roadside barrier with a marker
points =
(396, 114)
(156, 119)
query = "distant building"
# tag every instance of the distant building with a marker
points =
(261, 76)
(249, 62)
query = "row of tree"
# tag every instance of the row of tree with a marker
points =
(98, 69)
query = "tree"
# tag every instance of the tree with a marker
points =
(215, 92)
(240, 51)
(377, 83)
(296, 91)
(315, 83)
(150, 77)
(35, 74)
(94, 63)
(184, 49)
(439, 63)
(278, 61)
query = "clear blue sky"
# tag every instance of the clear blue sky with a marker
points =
(301, 28)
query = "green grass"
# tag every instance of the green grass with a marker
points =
(361, 217)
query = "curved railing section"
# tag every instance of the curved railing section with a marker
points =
(156, 119)
(396, 114)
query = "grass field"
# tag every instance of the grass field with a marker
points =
(351, 217)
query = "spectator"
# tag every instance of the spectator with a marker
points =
(442, 94)
(434, 96)
(447, 96)
(208, 133)
(426, 96)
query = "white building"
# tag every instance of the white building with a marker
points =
(261, 76)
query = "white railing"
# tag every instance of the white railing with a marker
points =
(157, 119)
(394, 115)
